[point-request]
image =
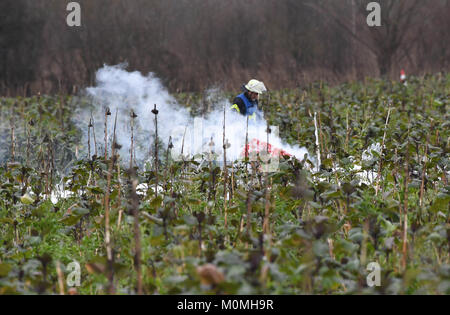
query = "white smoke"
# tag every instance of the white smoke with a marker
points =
(126, 91)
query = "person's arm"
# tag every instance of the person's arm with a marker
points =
(240, 103)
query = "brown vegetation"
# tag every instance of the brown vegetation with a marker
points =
(194, 44)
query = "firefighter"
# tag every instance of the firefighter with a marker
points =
(247, 103)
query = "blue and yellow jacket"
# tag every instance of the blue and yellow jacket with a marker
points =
(243, 105)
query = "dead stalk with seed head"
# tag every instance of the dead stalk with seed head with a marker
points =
(30, 123)
(107, 113)
(266, 228)
(225, 170)
(211, 193)
(155, 112)
(246, 150)
(380, 166)
(232, 181)
(137, 235)
(119, 199)
(316, 132)
(397, 191)
(347, 134)
(321, 135)
(133, 117)
(166, 176)
(249, 207)
(13, 141)
(89, 138)
(22, 117)
(52, 164)
(182, 143)
(182, 152)
(93, 133)
(266, 224)
(424, 168)
(405, 210)
(47, 162)
(111, 289)
(249, 183)
(60, 278)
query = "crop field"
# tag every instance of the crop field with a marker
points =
(81, 217)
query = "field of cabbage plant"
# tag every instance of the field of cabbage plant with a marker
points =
(78, 222)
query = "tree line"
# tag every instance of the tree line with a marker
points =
(195, 44)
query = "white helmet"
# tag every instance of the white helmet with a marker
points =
(256, 86)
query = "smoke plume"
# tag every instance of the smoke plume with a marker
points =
(127, 92)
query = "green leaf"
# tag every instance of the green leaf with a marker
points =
(7, 220)
(80, 211)
(156, 202)
(27, 199)
(96, 190)
(70, 220)
(5, 269)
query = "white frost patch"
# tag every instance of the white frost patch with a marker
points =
(142, 189)
(366, 177)
(59, 193)
(368, 155)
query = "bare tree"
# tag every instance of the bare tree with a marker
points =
(193, 44)
(396, 37)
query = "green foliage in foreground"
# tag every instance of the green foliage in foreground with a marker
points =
(325, 226)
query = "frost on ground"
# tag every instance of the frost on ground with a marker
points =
(365, 176)
(368, 155)
(59, 192)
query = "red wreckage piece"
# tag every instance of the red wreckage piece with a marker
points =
(260, 146)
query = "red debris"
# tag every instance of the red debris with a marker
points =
(260, 146)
